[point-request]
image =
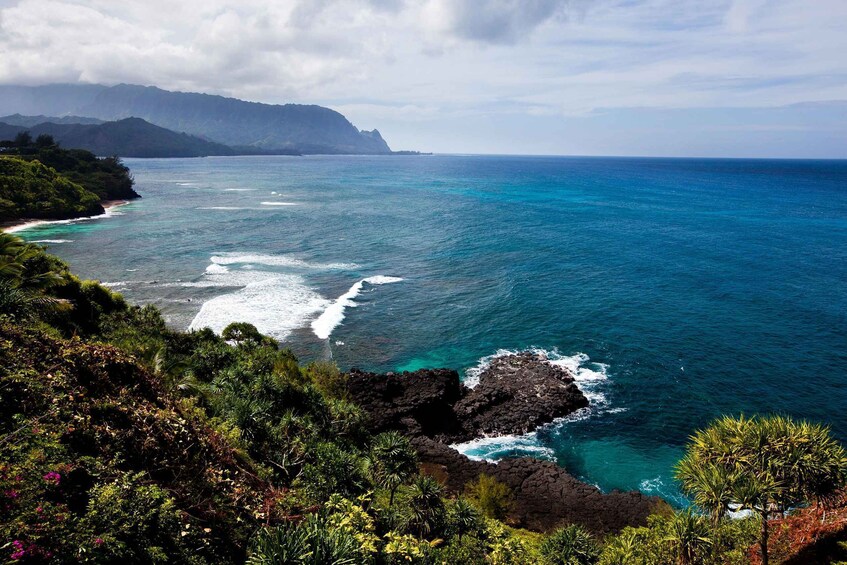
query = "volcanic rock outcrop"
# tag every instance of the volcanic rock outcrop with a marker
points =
(515, 395)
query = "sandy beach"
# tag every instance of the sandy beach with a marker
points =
(21, 225)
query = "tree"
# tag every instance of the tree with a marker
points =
(571, 545)
(392, 462)
(23, 139)
(426, 506)
(688, 536)
(464, 518)
(45, 140)
(764, 464)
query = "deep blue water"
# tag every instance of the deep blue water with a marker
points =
(694, 287)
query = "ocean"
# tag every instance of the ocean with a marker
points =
(677, 290)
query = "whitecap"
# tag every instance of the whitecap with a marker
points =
(239, 189)
(497, 447)
(276, 306)
(52, 241)
(278, 203)
(334, 314)
(215, 269)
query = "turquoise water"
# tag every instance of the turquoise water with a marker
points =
(677, 289)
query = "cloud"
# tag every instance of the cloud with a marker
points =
(492, 21)
(399, 64)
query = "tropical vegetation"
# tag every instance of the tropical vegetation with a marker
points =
(39, 179)
(124, 440)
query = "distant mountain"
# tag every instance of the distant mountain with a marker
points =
(265, 127)
(29, 121)
(132, 137)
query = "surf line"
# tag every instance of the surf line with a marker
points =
(330, 319)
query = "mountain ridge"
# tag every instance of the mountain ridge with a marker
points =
(308, 129)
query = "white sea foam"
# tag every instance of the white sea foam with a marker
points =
(495, 448)
(276, 306)
(334, 314)
(275, 302)
(277, 261)
(187, 184)
(216, 269)
(278, 203)
(52, 241)
(239, 189)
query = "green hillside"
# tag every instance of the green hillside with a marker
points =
(29, 189)
(107, 179)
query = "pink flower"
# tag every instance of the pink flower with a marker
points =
(19, 550)
(11, 493)
(98, 541)
(53, 477)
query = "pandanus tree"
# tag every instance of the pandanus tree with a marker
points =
(392, 462)
(763, 464)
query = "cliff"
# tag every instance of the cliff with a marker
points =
(271, 127)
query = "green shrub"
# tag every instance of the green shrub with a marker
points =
(332, 470)
(314, 541)
(571, 545)
(492, 497)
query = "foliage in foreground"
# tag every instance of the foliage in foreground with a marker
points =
(122, 440)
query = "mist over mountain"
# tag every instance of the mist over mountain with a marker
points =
(30, 121)
(266, 127)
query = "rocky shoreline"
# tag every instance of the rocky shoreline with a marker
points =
(516, 394)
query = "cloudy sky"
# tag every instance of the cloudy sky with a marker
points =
(590, 77)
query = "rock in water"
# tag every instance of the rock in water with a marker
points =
(518, 393)
(515, 395)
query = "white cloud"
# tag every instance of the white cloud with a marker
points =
(399, 62)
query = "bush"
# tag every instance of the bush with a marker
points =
(332, 470)
(311, 542)
(492, 497)
(571, 545)
(327, 378)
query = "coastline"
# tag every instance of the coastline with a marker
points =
(16, 226)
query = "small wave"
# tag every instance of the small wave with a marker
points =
(278, 203)
(497, 447)
(187, 184)
(52, 241)
(239, 189)
(334, 314)
(221, 208)
(277, 261)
